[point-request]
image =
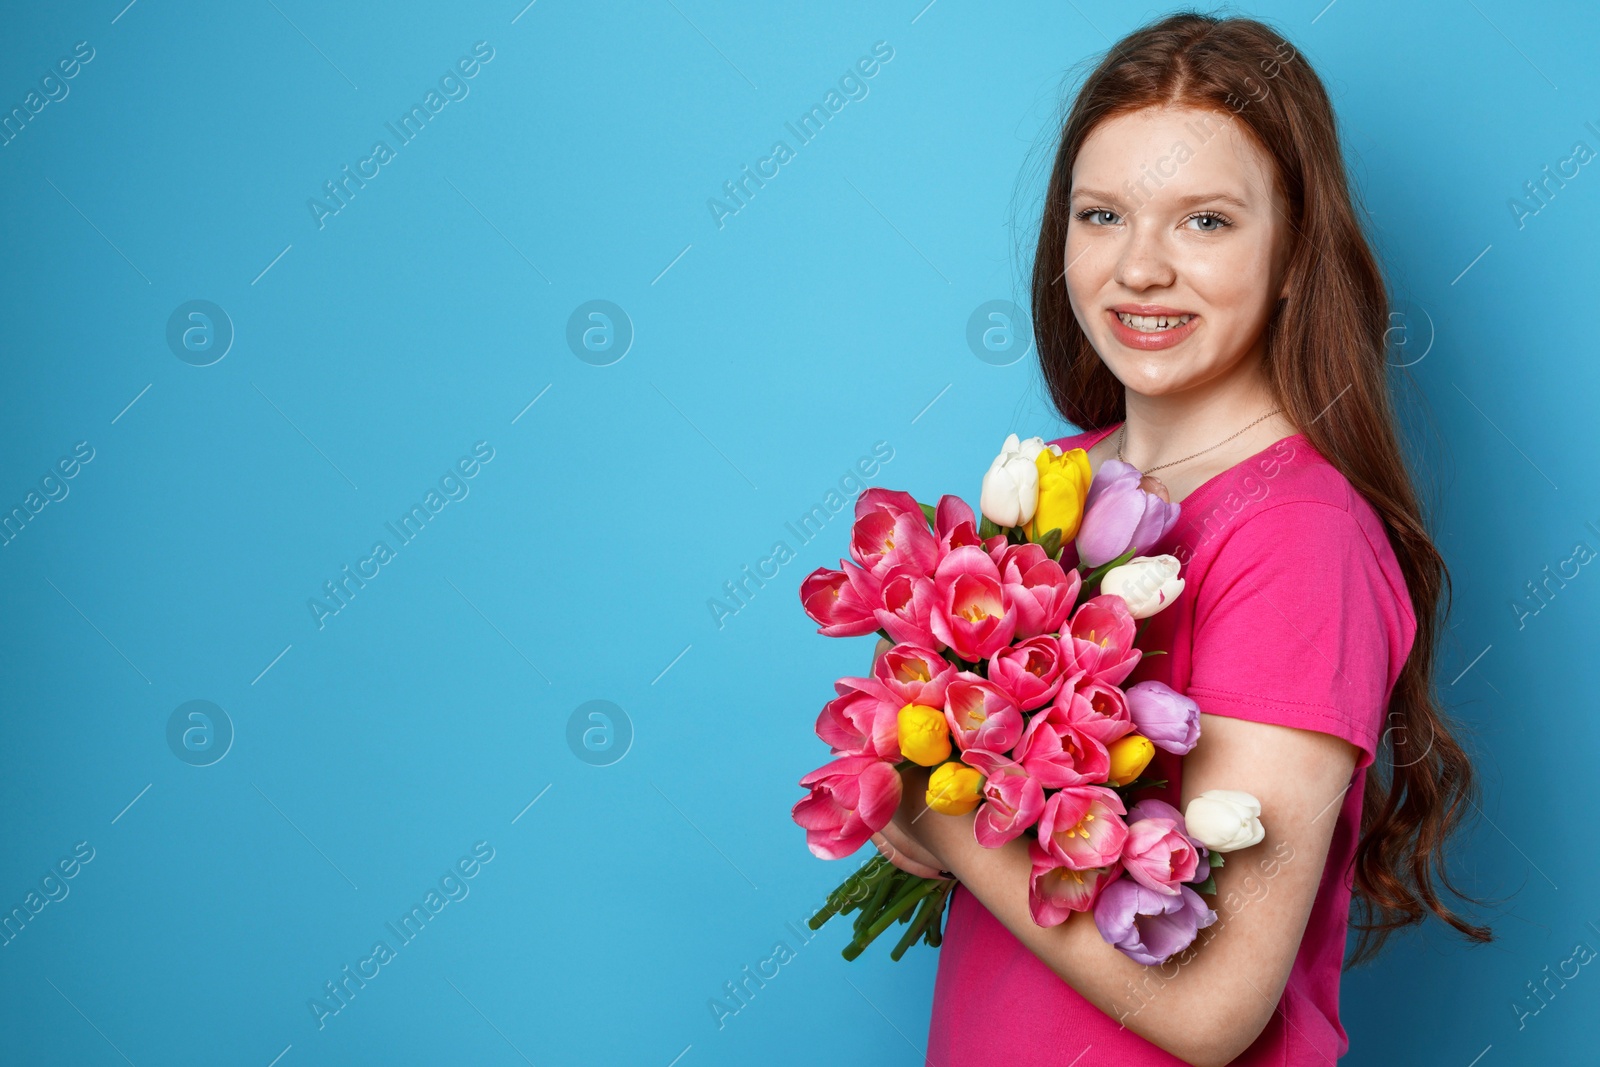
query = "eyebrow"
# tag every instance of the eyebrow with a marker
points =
(1183, 201)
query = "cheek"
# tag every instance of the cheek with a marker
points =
(1234, 287)
(1089, 273)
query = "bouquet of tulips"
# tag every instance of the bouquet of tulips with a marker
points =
(1013, 637)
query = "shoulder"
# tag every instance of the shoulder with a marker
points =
(1288, 495)
(1308, 540)
(1302, 616)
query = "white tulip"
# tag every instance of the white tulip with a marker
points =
(1031, 448)
(1147, 583)
(1011, 487)
(1224, 820)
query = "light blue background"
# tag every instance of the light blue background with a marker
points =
(769, 355)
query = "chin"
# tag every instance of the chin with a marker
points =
(1145, 376)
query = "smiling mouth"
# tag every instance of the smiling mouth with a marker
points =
(1152, 323)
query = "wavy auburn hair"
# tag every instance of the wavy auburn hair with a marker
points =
(1325, 343)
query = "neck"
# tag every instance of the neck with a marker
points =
(1165, 427)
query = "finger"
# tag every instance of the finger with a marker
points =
(901, 856)
(898, 857)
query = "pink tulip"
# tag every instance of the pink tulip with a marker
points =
(1012, 800)
(1029, 671)
(1082, 826)
(851, 799)
(1119, 515)
(887, 535)
(980, 714)
(1058, 751)
(915, 674)
(1099, 709)
(895, 501)
(970, 613)
(1039, 588)
(841, 601)
(904, 606)
(863, 720)
(1168, 718)
(954, 525)
(1160, 809)
(1158, 855)
(1099, 640)
(1150, 927)
(1055, 890)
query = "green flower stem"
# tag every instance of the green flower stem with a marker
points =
(918, 888)
(927, 911)
(880, 892)
(847, 896)
(936, 928)
(936, 931)
(863, 892)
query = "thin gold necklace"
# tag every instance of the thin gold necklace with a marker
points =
(1123, 433)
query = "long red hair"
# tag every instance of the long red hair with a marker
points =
(1324, 343)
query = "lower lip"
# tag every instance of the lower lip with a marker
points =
(1154, 340)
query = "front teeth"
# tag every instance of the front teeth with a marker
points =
(1152, 323)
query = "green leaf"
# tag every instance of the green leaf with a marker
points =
(1092, 578)
(928, 510)
(1208, 887)
(1051, 542)
(987, 529)
(1215, 857)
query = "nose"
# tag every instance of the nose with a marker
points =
(1144, 263)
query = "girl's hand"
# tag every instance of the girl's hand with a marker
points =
(906, 855)
(897, 841)
(900, 841)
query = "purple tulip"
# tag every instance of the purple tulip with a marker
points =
(1168, 718)
(1150, 927)
(1118, 515)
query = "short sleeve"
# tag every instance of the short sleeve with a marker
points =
(1299, 622)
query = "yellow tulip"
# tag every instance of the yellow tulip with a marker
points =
(1063, 487)
(924, 735)
(1129, 757)
(954, 788)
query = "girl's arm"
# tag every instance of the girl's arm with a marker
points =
(1208, 1004)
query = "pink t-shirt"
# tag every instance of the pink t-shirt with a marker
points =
(1294, 612)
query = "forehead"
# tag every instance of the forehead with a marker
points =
(1190, 150)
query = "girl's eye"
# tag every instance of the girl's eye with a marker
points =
(1217, 221)
(1083, 216)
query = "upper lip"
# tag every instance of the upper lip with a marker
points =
(1148, 309)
